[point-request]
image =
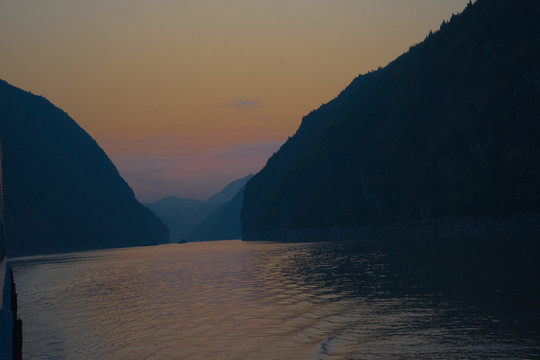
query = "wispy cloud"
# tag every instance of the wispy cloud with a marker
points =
(244, 103)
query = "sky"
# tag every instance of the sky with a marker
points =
(186, 96)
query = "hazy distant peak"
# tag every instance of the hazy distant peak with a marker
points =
(229, 191)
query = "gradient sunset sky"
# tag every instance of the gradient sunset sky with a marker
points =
(186, 96)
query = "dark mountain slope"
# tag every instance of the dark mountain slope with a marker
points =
(222, 224)
(62, 192)
(443, 141)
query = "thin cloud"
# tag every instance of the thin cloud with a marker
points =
(244, 103)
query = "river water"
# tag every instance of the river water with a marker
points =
(239, 300)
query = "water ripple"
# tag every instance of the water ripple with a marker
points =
(234, 300)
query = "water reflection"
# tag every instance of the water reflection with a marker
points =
(234, 300)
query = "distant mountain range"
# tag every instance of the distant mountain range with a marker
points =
(211, 221)
(62, 193)
(442, 142)
(222, 224)
(229, 192)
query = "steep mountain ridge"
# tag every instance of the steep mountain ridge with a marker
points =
(441, 142)
(62, 192)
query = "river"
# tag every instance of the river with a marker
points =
(243, 300)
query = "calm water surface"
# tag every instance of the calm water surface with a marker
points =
(236, 300)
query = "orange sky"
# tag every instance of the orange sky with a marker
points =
(188, 95)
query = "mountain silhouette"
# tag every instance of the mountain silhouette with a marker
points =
(222, 224)
(182, 215)
(442, 142)
(62, 193)
(229, 191)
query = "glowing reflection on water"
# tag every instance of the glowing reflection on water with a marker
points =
(235, 300)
